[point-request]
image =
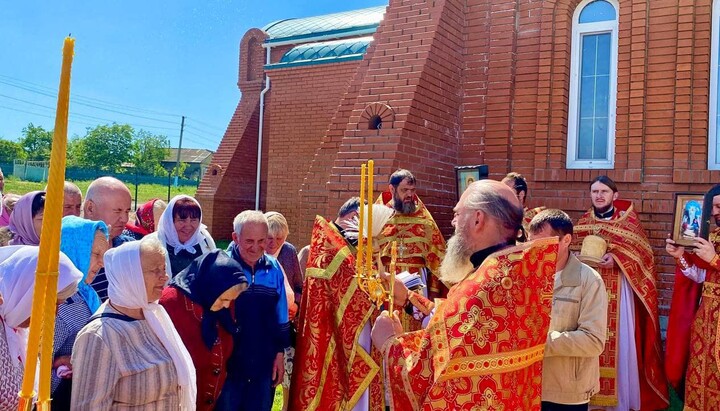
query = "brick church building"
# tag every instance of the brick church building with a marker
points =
(558, 90)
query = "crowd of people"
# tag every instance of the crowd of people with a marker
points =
(513, 312)
(151, 315)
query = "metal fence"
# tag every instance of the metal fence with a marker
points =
(30, 170)
(38, 171)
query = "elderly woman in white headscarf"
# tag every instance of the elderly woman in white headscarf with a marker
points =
(17, 280)
(182, 233)
(129, 355)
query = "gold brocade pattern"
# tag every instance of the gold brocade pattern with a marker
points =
(528, 215)
(702, 381)
(634, 260)
(420, 245)
(331, 369)
(483, 347)
(493, 363)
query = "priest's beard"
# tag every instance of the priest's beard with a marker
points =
(403, 207)
(456, 265)
(603, 210)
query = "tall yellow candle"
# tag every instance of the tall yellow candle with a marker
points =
(369, 259)
(42, 320)
(393, 262)
(360, 250)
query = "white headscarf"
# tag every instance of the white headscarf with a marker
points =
(166, 228)
(17, 283)
(126, 288)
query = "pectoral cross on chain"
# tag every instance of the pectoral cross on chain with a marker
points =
(401, 249)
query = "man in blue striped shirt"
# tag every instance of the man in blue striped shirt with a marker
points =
(108, 200)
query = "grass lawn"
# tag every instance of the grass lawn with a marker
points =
(145, 191)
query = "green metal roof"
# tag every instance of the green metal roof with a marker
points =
(324, 52)
(347, 23)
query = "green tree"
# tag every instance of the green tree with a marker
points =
(180, 169)
(36, 142)
(148, 152)
(74, 150)
(175, 169)
(105, 147)
(10, 150)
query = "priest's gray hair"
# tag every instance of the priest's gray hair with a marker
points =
(248, 216)
(507, 214)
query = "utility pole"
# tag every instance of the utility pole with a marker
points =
(177, 162)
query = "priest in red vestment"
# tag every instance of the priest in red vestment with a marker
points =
(421, 245)
(632, 376)
(692, 337)
(483, 346)
(335, 368)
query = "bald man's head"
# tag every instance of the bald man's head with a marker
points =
(482, 187)
(108, 199)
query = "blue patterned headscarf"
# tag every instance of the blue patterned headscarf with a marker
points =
(76, 242)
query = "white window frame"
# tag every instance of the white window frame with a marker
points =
(713, 160)
(578, 30)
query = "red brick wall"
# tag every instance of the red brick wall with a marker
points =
(229, 185)
(663, 79)
(299, 107)
(480, 82)
(414, 69)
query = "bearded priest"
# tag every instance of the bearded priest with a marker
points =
(483, 346)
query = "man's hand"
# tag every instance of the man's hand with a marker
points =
(292, 310)
(62, 360)
(704, 249)
(673, 249)
(400, 292)
(607, 261)
(385, 327)
(278, 369)
(64, 372)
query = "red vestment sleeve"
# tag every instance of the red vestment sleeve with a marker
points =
(686, 295)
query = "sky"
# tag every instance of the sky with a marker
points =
(144, 63)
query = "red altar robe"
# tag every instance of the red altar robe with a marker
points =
(483, 348)
(635, 260)
(420, 245)
(331, 369)
(693, 340)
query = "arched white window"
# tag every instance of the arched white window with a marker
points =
(713, 129)
(593, 85)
